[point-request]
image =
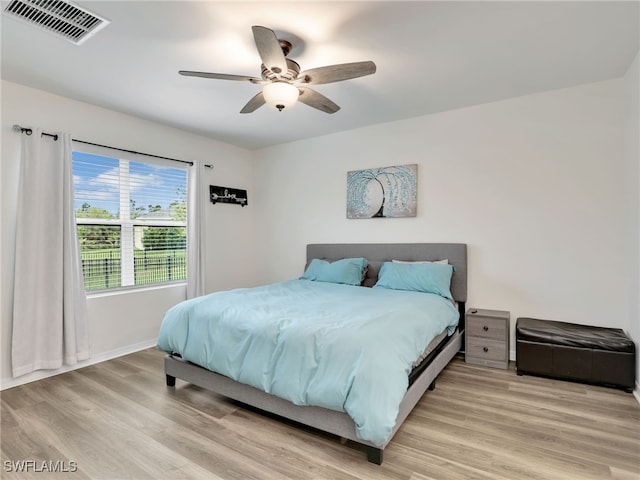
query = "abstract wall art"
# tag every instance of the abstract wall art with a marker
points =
(387, 192)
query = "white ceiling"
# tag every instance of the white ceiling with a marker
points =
(431, 57)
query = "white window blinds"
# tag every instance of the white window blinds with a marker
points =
(131, 214)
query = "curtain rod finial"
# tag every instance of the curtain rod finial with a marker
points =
(17, 128)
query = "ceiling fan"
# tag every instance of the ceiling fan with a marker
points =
(284, 83)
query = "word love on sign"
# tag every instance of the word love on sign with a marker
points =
(227, 195)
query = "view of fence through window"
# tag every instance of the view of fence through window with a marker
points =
(131, 221)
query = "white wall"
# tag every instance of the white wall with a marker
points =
(124, 322)
(534, 185)
(539, 187)
(632, 123)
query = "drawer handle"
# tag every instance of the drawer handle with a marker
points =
(485, 328)
(485, 349)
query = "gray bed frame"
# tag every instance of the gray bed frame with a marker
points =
(339, 423)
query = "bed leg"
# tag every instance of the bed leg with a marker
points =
(171, 381)
(374, 455)
(432, 387)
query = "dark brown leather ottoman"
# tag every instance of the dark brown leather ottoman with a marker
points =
(582, 353)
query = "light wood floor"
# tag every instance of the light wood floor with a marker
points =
(118, 420)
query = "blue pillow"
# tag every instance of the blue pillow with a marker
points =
(348, 271)
(418, 277)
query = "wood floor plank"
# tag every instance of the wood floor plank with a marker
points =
(118, 420)
(318, 450)
(518, 424)
(197, 438)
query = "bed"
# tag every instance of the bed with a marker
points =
(346, 419)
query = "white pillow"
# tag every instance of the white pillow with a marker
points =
(444, 261)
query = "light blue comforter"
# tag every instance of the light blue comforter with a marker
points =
(336, 346)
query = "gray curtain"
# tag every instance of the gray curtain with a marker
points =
(49, 303)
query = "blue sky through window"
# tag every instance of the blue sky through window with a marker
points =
(96, 182)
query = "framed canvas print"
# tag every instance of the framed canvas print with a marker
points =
(386, 192)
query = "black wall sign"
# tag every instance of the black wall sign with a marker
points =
(227, 195)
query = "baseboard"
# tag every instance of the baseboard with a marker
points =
(6, 383)
(636, 392)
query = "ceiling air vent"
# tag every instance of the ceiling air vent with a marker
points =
(60, 17)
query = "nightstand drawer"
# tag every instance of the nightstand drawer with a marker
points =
(486, 327)
(485, 349)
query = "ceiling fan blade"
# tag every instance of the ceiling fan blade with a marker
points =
(337, 73)
(317, 100)
(221, 76)
(269, 49)
(253, 104)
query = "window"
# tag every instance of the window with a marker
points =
(131, 221)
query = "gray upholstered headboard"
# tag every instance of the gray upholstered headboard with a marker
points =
(377, 253)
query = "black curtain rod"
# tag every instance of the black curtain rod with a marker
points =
(28, 131)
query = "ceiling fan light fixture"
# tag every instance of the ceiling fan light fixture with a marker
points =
(280, 75)
(280, 95)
